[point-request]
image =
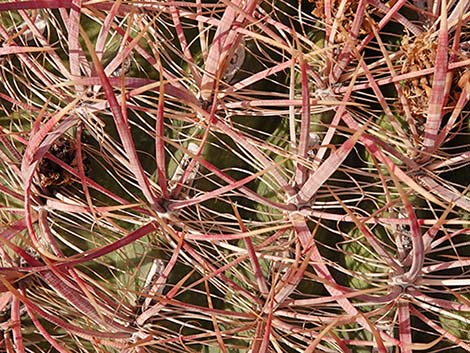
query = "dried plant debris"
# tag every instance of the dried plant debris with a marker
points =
(419, 53)
(51, 174)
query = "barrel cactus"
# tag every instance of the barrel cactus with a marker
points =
(234, 176)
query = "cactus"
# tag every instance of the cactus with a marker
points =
(234, 176)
